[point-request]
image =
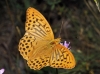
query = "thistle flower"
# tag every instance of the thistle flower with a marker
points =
(2, 71)
(66, 44)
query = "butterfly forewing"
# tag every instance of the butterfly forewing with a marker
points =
(62, 58)
(35, 22)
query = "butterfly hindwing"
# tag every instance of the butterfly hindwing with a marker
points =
(27, 46)
(38, 62)
(30, 47)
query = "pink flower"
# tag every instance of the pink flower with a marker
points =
(2, 71)
(66, 44)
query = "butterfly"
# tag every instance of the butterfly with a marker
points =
(39, 47)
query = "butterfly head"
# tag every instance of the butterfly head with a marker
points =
(55, 41)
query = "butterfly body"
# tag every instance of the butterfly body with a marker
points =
(39, 47)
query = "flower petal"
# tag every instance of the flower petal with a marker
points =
(66, 44)
(2, 71)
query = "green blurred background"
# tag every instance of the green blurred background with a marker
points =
(81, 27)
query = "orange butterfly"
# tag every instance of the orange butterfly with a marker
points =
(39, 47)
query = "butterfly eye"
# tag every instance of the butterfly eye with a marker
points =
(52, 43)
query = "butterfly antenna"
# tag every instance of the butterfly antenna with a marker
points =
(60, 29)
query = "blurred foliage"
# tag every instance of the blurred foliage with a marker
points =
(81, 27)
(97, 4)
(52, 3)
